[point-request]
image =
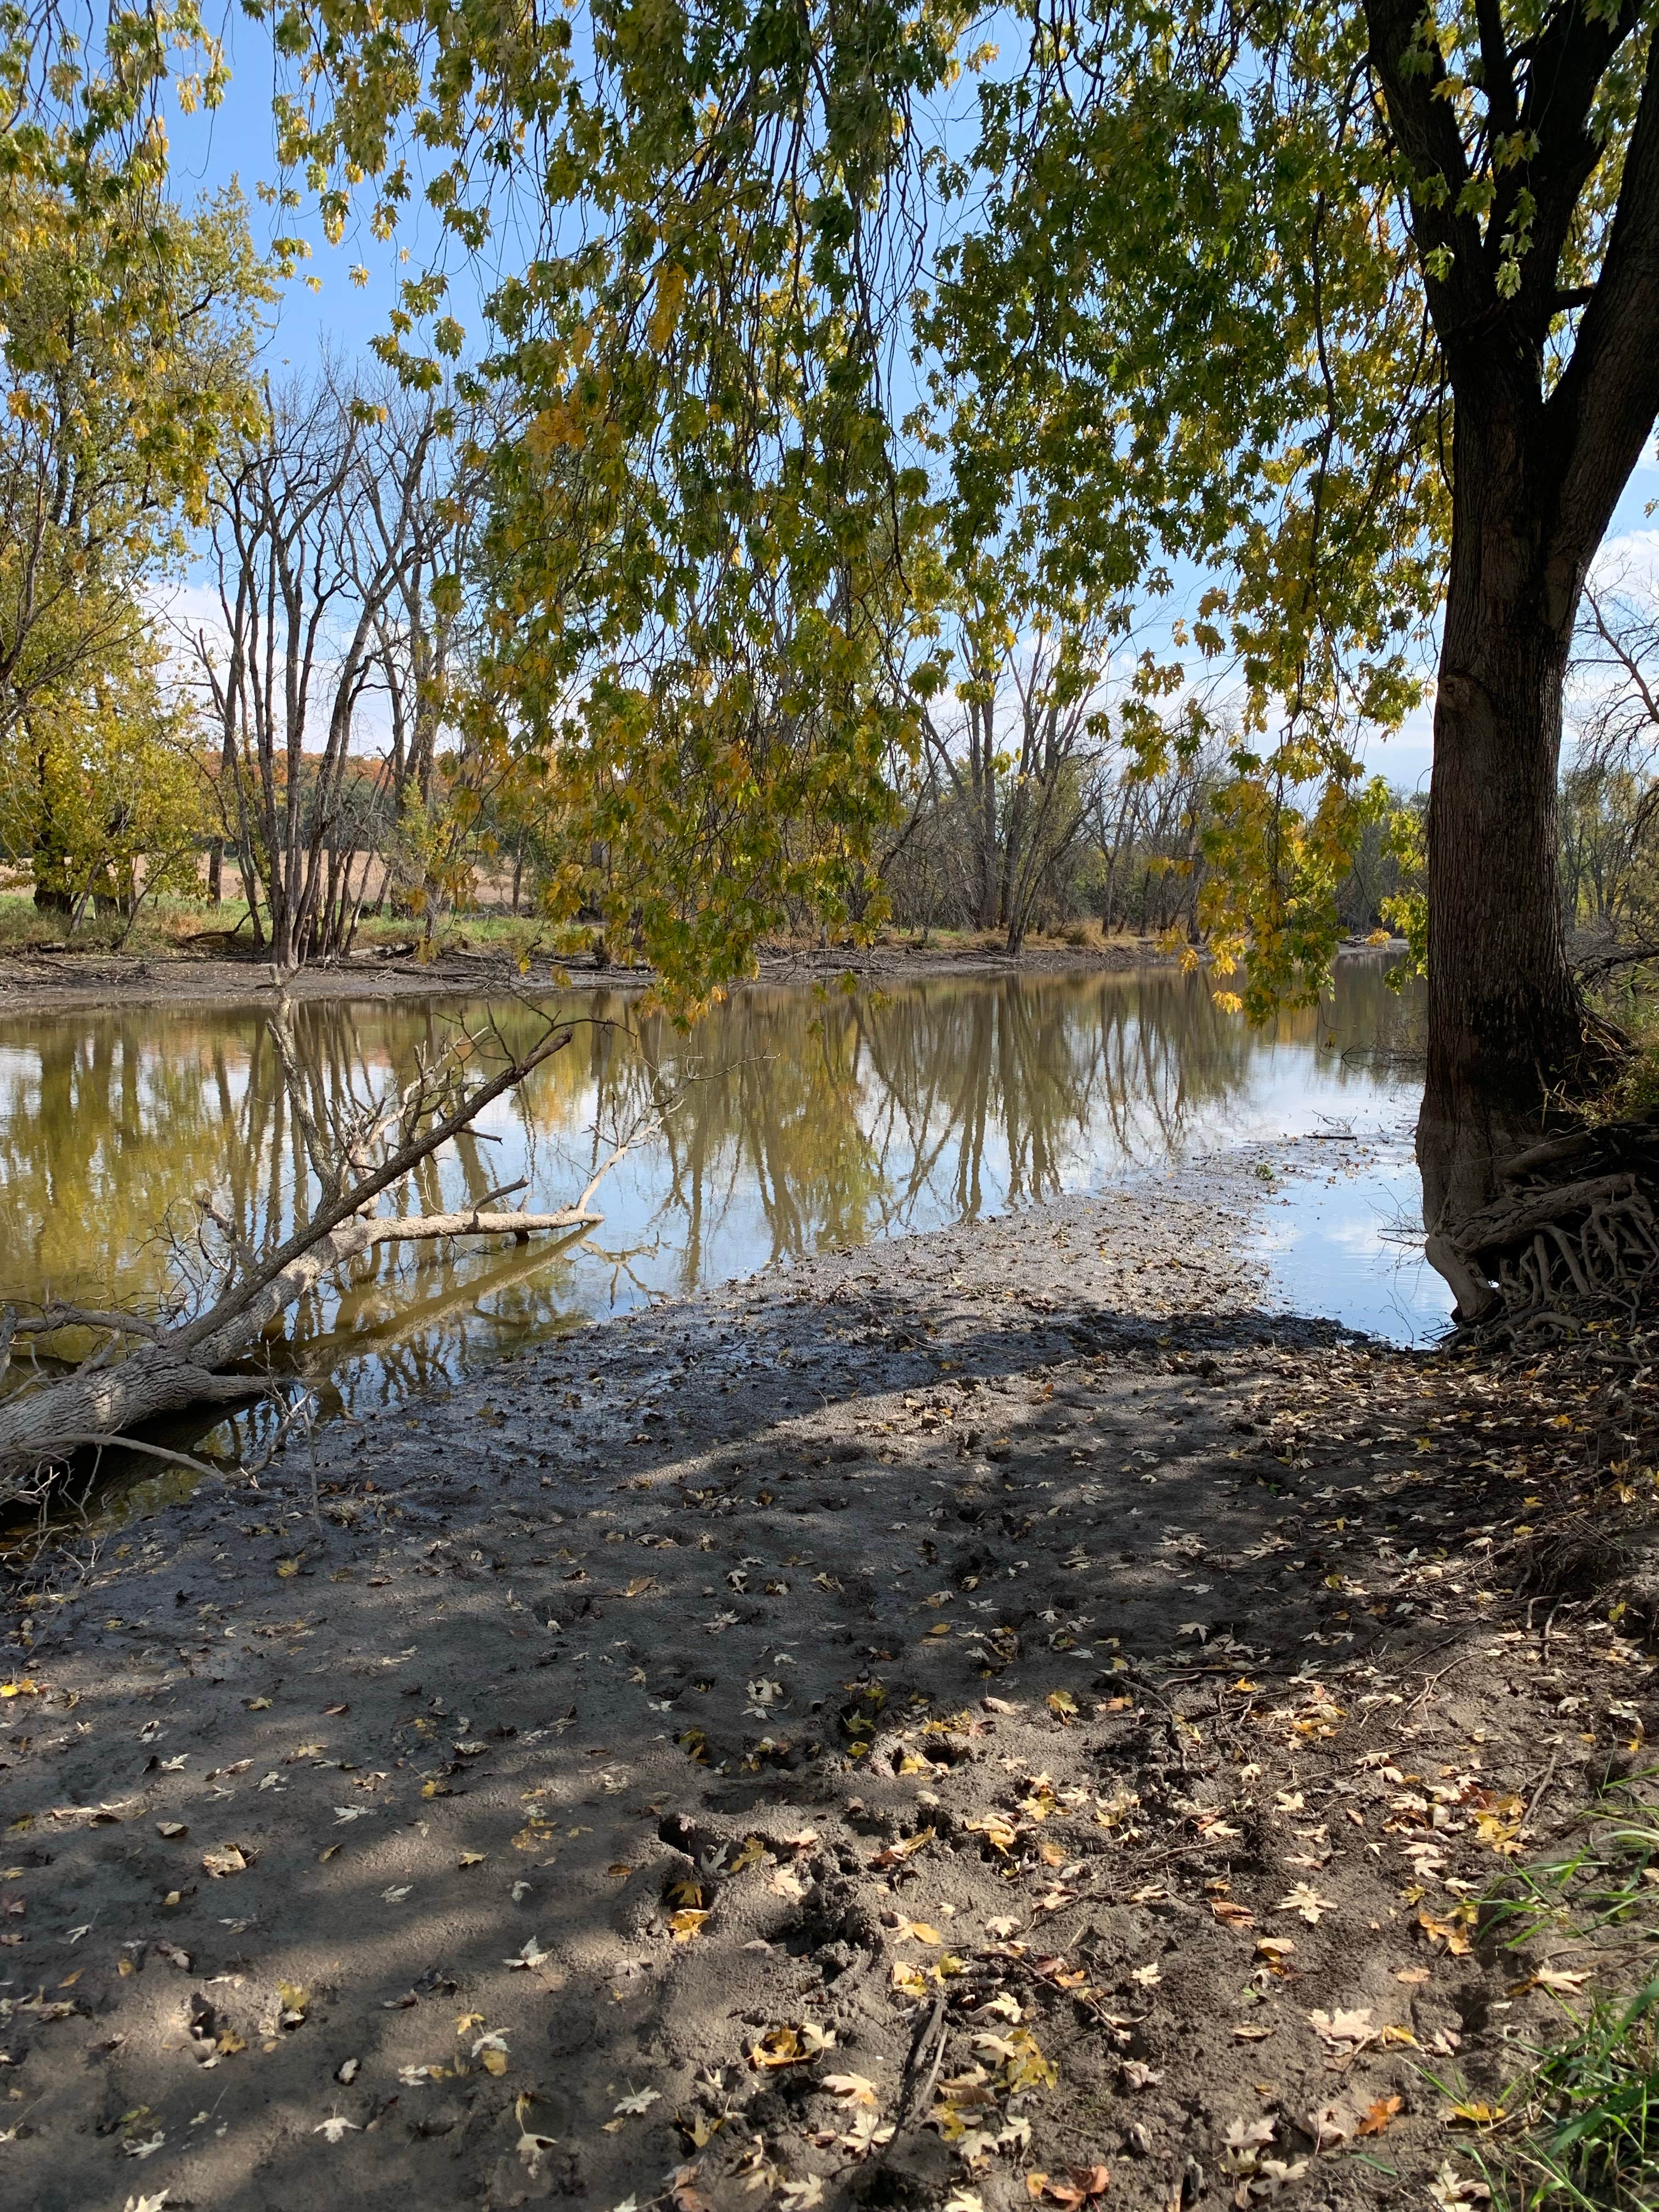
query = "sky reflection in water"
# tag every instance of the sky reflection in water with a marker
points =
(815, 1120)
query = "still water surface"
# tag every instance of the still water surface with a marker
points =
(806, 1122)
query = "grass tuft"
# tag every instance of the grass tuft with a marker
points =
(1581, 2120)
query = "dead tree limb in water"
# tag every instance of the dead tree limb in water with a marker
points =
(145, 1367)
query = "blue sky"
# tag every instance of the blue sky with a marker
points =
(235, 143)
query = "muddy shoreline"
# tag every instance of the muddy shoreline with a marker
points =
(1001, 1704)
(44, 982)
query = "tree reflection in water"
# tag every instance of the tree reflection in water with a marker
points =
(808, 1121)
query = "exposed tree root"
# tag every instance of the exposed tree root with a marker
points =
(1574, 1237)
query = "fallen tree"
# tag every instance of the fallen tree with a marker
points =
(142, 1366)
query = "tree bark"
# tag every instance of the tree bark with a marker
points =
(1504, 1022)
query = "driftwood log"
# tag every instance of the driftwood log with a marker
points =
(1575, 1230)
(144, 1367)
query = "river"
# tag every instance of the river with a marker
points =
(801, 1120)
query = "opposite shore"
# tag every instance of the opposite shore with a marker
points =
(41, 982)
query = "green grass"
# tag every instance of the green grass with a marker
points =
(1592, 2140)
(1581, 2130)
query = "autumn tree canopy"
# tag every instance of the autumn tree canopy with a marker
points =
(1349, 310)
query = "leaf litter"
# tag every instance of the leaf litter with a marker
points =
(1243, 1635)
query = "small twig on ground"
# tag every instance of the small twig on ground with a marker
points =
(1537, 1797)
(934, 2028)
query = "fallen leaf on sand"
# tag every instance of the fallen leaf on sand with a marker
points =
(998, 1833)
(532, 2149)
(1331, 2124)
(1443, 1931)
(896, 1854)
(224, 1859)
(1451, 2188)
(1075, 2186)
(1557, 1978)
(531, 1955)
(791, 2046)
(866, 2133)
(1475, 2114)
(1340, 2027)
(854, 2087)
(639, 2100)
(1375, 2117)
(1306, 1901)
(682, 2187)
(335, 2130)
(1249, 2135)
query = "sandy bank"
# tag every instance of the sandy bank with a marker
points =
(37, 982)
(988, 1704)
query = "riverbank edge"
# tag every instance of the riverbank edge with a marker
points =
(37, 982)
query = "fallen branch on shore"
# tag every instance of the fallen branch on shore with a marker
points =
(143, 1366)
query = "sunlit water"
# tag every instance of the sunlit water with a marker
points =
(803, 1122)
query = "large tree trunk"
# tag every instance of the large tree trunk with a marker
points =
(1550, 421)
(1506, 1021)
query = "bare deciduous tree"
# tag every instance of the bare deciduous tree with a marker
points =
(1610, 790)
(325, 530)
(1018, 759)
